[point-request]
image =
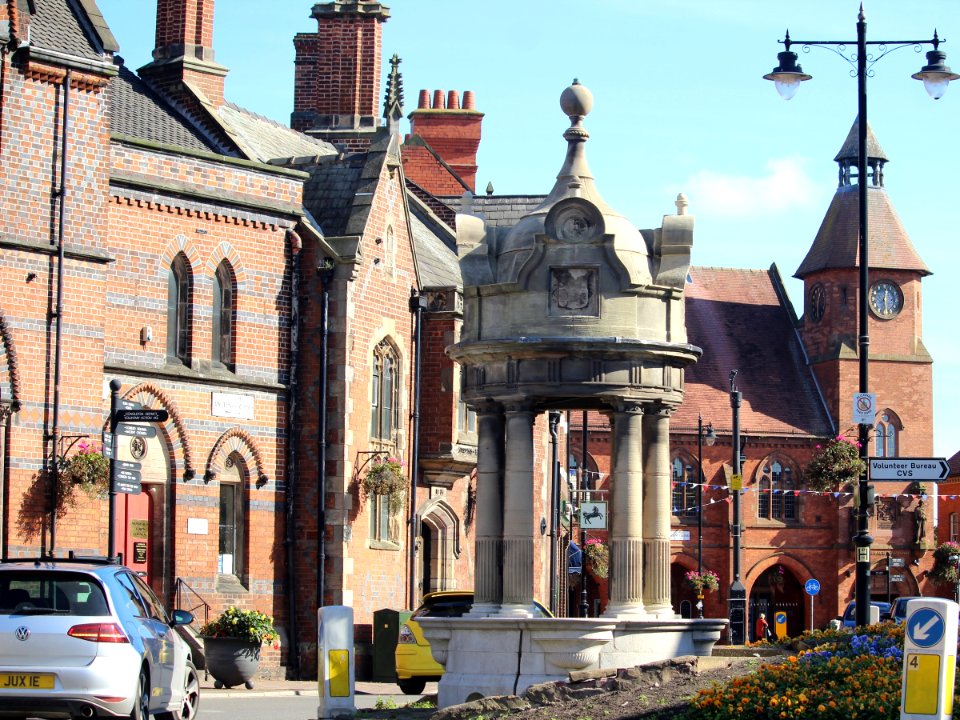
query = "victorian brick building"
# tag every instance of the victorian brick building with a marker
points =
(287, 295)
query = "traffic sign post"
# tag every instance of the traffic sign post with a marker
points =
(812, 587)
(929, 659)
(913, 469)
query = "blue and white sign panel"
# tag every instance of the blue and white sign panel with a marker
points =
(925, 627)
(812, 586)
(929, 659)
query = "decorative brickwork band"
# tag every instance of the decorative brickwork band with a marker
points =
(235, 440)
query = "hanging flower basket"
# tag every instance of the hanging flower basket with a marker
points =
(706, 582)
(385, 477)
(598, 558)
(946, 564)
(834, 464)
(87, 469)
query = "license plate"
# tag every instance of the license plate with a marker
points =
(26, 681)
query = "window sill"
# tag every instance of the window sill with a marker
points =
(383, 545)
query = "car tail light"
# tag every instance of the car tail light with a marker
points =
(99, 632)
(406, 636)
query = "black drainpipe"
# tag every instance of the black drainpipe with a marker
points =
(296, 245)
(61, 194)
(326, 272)
(418, 303)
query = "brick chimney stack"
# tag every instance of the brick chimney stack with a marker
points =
(184, 50)
(451, 129)
(337, 75)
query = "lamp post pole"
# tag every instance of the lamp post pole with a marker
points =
(936, 76)
(584, 599)
(737, 597)
(700, 511)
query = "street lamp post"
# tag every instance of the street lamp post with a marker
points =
(787, 77)
(737, 597)
(710, 438)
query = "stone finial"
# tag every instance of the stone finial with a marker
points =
(576, 102)
(490, 188)
(393, 98)
(681, 204)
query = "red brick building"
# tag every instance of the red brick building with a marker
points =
(287, 295)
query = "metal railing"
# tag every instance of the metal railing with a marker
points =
(185, 593)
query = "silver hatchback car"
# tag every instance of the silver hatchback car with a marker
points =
(85, 639)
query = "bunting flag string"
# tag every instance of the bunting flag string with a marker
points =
(837, 495)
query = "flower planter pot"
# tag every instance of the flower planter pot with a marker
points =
(231, 661)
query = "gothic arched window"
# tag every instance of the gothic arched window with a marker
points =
(885, 443)
(223, 316)
(683, 477)
(178, 310)
(776, 497)
(385, 394)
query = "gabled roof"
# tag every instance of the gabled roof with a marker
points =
(137, 111)
(437, 260)
(265, 140)
(330, 191)
(742, 321)
(55, 26)
(837, 244)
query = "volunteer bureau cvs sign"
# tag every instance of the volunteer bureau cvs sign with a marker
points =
(930, 469)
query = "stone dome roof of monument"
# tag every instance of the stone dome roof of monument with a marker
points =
(574, 211)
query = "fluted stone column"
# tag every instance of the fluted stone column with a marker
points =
(518, 513)
(488, 569)
(626, 514)
(656, 511)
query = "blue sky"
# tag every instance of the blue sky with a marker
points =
(680, 106)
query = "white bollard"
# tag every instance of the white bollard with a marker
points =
(929, 659)
(335, 655)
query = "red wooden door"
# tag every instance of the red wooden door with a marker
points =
(132, 528)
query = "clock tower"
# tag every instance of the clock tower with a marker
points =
(900, 368)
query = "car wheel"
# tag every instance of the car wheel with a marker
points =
(413, 686)
(141, 706)
(190, 704)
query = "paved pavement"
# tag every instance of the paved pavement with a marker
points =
(263, 687)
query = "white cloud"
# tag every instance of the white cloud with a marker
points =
(785, 186)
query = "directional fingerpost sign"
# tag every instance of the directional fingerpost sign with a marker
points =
(126, 477)
(929, 659)
(141, 415)
(130, 430)
(928, 469)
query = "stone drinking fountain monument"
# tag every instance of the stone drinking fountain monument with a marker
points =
(572, 308)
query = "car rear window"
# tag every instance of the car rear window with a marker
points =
(40, 592)
(444, 608)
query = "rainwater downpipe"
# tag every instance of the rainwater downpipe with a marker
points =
(418, 304)
(61, 195)
(326, 273)
(296, 246)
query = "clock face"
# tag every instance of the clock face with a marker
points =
(817, 302)
(886, 300)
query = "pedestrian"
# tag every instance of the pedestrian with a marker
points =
(762, 628)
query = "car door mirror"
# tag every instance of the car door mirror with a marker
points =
(181, 617)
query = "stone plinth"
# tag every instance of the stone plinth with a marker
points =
(500, 655)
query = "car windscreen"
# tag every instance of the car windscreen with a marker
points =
(450, 608)
(42, 592)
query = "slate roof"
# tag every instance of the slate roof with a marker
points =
(442, 210)
(741, 320)
(437, 261)
(54, 26)
(139, 112)
(837, 244)
(850, 150)
(265, 140)
(504, 210)
(330, 191)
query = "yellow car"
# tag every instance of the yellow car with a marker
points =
(415, 664)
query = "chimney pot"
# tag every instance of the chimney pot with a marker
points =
(438, 99)
(424, 102)
(468, 100)
(453, 100)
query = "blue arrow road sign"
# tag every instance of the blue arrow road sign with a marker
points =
(925, 627)
(812, 586)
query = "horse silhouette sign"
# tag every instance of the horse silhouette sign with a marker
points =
(593, 516)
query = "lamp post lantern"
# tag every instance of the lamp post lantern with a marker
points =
(710, 438)
(935, 76)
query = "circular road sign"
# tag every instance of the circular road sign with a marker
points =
(812, 586)
(925, 627)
